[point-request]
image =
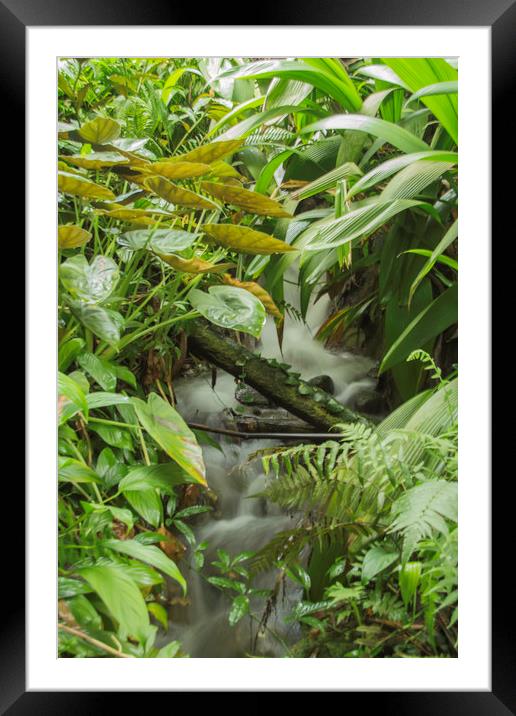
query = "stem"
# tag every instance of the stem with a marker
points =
(95, 642)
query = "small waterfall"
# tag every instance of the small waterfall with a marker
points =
(242, 523)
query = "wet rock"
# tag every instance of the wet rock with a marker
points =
(324, 382)
(249, 396)
(370, 402)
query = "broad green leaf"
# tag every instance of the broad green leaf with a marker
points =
(71, 237)
(399, 417)
(68, 587)
(177, 195)
(356, 223)
(283, 92)
(431, 322)
(75, 471)
(447, 239)
(76, 185)
(179, 170)
(68, 351)
(104, 400)
(103, 322)
(323, 77)
(147, 503)
(246, 126)
(391, 166)
(382, 73)
(439, 259)
(159, 613)
(376, 560)
(421, 72)
(70, 392)
(91, 283)
(122, 598)
(451, 87)
(169, 651)
(245, 240)
(208, 153)
(239, 608)
(388, 132)
(162, 241)
(150, 555)
(95, 160)
(411, 180)
(258, 291)
(84, 612)
(327, 181)
(100, 370)
(163, 477)
(114, 435)
(409, 578)
(100, 130)
(169, 430)
(249, 200)
(230, 307)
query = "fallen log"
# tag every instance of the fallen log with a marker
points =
(270, 378)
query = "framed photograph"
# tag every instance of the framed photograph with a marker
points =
(258, 442)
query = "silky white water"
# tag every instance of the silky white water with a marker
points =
(239, 523)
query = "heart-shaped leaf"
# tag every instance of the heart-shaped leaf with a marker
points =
(246, 240)
(103, 322)
(249, 200)
(176, 194)
(91, 283)
(71, 237)
(76, 185)
(96, 160)
(100, 130)
(211, 152)
(258, 291)
(230, 307)
(180, 170)
(162, 241)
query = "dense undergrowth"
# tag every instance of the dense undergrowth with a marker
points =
(187, 189)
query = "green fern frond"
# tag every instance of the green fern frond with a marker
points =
(423, 509)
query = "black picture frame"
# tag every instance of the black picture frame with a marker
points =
(500, 16)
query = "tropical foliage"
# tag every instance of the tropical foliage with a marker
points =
(187, 189)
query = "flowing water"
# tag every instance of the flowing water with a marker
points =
(241, 523)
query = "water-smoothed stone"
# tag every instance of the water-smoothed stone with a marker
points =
(249, 396)
(324, 382)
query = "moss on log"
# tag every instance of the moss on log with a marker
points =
(270, 378)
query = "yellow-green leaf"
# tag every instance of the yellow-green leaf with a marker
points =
(176, 194)
(193, 265)
(180, 170)
(246, 240)
(220, 168)
(258, 291)
(96, 160)
(124, 214)
(249, 200)
(100, 130)
(70, 237)
(80, 186)
(211, 152)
